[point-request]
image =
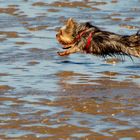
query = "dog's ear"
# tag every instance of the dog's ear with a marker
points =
(70, 22)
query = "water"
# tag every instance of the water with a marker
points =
(79, 97)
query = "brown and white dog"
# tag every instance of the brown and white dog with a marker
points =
(84, 37)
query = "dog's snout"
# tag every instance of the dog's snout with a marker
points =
(60, 32)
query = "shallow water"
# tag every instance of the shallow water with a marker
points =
(79, 97)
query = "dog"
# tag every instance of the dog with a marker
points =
(86, 38)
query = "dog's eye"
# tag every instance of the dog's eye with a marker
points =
(73, 35)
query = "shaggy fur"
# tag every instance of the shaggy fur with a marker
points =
(73, 37)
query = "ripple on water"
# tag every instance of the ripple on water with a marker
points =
(79, 97)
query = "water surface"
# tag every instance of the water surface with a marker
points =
(79, 97)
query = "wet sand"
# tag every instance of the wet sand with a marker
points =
(79, 97)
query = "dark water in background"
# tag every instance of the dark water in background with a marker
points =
(79, 97)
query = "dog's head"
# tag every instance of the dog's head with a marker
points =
(67, 33)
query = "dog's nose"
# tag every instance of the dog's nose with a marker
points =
(56, 35)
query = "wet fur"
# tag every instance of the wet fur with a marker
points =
(103, 43)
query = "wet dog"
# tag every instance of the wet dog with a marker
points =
(84, 37)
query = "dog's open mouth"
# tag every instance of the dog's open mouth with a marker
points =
(66, 47)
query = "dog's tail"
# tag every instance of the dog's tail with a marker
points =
(134, 51)
(133, 47)
(138, 33)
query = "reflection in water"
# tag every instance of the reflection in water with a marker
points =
(103, 109)
(79, 97)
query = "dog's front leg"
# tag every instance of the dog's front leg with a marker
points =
(69, 51)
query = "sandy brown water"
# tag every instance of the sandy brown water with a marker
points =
(80, 97)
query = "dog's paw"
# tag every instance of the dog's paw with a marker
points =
(63, 53)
